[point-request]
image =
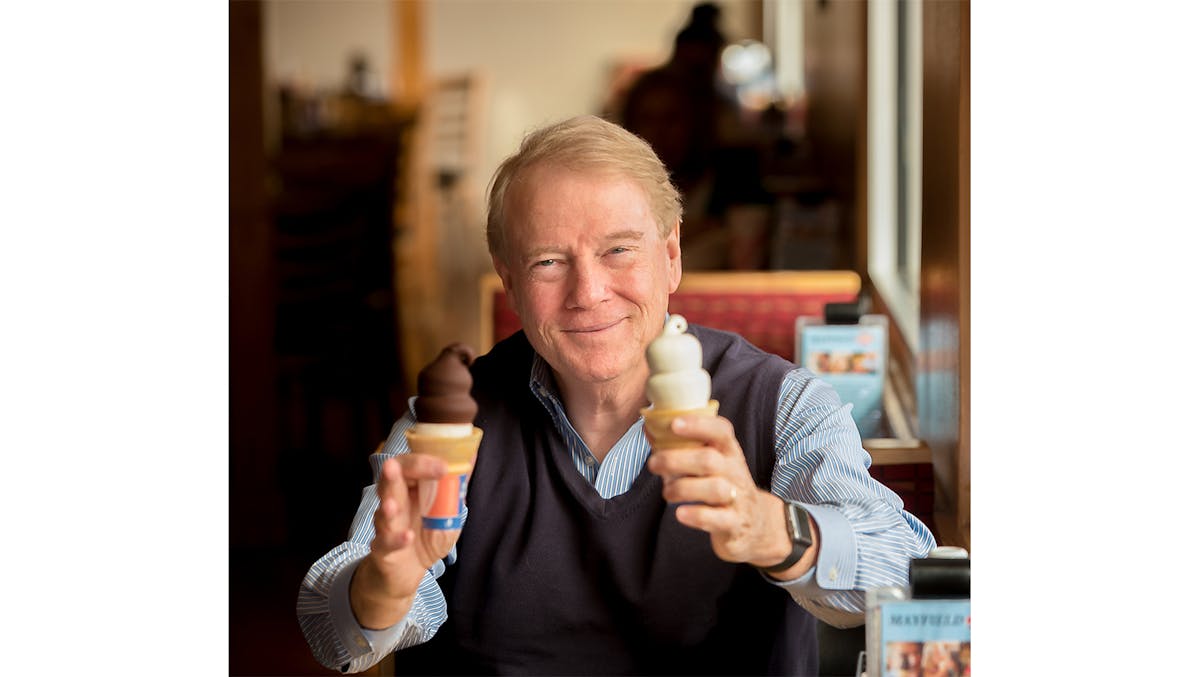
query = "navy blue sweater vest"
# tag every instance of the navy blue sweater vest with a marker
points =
(553, 579)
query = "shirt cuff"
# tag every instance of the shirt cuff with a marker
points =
(359, 641)
(835, 568)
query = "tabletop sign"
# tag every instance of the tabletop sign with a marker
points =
(921, 637)
(853, 359)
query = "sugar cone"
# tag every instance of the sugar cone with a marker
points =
(453, 450)
(658, 425)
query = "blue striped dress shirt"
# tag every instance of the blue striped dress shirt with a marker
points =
(867, 538)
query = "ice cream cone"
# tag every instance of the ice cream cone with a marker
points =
(445, 509)
(450, 449)
(658, 425)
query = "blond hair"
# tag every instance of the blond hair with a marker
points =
(585, 143)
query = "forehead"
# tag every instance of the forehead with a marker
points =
(549, 198)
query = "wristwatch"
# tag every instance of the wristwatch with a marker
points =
(796, 518)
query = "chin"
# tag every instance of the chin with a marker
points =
(598, 368)
(592, 370)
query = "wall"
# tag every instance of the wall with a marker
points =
(310, 42)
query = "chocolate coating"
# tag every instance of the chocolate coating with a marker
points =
(444, 387)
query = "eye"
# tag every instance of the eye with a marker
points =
(544, 263)
(618, 250)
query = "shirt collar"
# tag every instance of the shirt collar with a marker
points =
(545, 389)
(541, 379)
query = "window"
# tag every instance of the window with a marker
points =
(894, 159)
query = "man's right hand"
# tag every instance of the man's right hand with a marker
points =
(386, 581)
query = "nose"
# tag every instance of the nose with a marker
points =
(589, 286)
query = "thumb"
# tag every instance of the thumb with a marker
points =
(426, 492)
(713, 431)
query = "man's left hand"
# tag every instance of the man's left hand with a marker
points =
(712, 480)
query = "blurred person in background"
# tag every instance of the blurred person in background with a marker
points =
(689, 115)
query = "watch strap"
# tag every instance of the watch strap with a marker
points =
(796, 518)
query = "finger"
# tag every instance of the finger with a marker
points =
(714, 491)
(399, 475)
(422, 472)
(421, 466)
(712, 431)
(691, 461)
(391, 482)
(392, 528)
(397, 492)
(707, 518)
(390, 488)
(426, 493)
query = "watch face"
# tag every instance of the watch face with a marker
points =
(797, 521)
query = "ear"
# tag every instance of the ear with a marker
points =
(505, 274)
(674, 259)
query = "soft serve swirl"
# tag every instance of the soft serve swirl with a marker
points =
(677, 379)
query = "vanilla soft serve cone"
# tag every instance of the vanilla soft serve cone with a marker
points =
(678, 384)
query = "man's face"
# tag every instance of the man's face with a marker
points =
(587, 271)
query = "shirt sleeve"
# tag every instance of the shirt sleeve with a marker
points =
(323, 607)
(867, 538)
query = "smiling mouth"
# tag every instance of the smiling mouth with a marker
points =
(593, 328)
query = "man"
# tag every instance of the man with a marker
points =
(581, 554)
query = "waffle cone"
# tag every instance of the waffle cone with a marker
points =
(458, 452)
(658, 425)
